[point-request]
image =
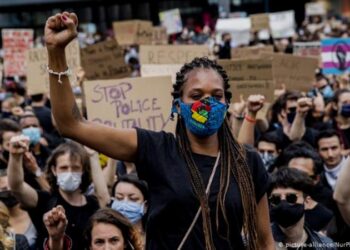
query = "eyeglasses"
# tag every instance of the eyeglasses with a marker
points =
(276, 199)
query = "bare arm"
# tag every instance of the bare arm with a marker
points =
(246, 133)
(265, 239)
(26, 195)
(32, 166)
(109, 173)
(298, 127)
(116, 143)
(342, 192)
(98, 179)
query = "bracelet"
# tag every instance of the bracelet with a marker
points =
(59, 74)
(250, 119)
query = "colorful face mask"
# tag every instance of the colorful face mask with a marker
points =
(204, 117)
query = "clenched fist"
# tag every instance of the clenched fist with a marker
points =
(60, 30)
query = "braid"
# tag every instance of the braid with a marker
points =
(232, 163)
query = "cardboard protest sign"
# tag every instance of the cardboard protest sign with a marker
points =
(160, 70)
(336, 55)
(171, 54)
(248, 69)
(250, 52)
(171, 20)
(259, 22)
(133, 32)
(239, 28)
(159, 36)
(246, 88)
(104, 60)
(143, 102)
(315, 9)
(37, 75)
(282, 24)
(296, 72)
(15, 43)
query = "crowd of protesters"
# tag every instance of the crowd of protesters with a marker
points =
(277, 181)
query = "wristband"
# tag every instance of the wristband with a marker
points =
(38, 173)
(59, 74)
(250, 119)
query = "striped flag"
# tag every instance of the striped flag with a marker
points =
(336, 55)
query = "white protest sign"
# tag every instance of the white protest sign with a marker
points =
(282, 24)
(160, 70)
(239, 28)
(315, 9)
(171, 20)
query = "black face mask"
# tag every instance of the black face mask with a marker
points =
(8, 199)
(286, 214)
(318, 217)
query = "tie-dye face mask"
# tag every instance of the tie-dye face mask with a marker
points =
(204, 117)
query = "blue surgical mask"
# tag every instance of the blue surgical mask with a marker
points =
(345, 110)
(204, 117)
(34, 135)
(327, 92)
(131, 210)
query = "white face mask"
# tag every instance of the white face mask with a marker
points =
(69, 181)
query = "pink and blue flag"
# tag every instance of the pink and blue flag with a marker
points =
(336, 55)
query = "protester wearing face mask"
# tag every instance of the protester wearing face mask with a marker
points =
(288, 119)
(340, 118)
(68, 172)
(269, 148)
(130, 197)
(287, 193)
(322, 85)
(19, 220)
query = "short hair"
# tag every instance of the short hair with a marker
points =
(270, 137)
(291, 178)
(134, 180)
(131, 237)
(336, 98)
(281, 102)
(8, 125)
(301, 149)
(37, 97)
(76, 152)
(328, 133)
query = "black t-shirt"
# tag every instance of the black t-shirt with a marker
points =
(77, 216)
(172, 202)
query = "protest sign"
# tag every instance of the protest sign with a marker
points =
(282, 24)
(246, 88)
(104, 60)
(159, 36)
(239, 28)
(171, 54)
(315, 9)
(15, 43)
(37, 76)
(143, 102)
(296, 72)
(308, 49)
(160, 70)
(133, 32)
(336, 55)
(259, 22)
(248, 69)
(250, 52)
(171, 20)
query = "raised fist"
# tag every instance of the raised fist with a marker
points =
(19, 144)
(60, 30)
(255, 103)
(56, 222)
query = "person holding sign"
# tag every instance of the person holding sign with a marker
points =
(205, 188)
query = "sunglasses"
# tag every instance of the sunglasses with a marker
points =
(276, 199)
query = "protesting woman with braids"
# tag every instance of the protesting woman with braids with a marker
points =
(206, 190)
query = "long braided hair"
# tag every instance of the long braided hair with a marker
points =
(232, 161)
